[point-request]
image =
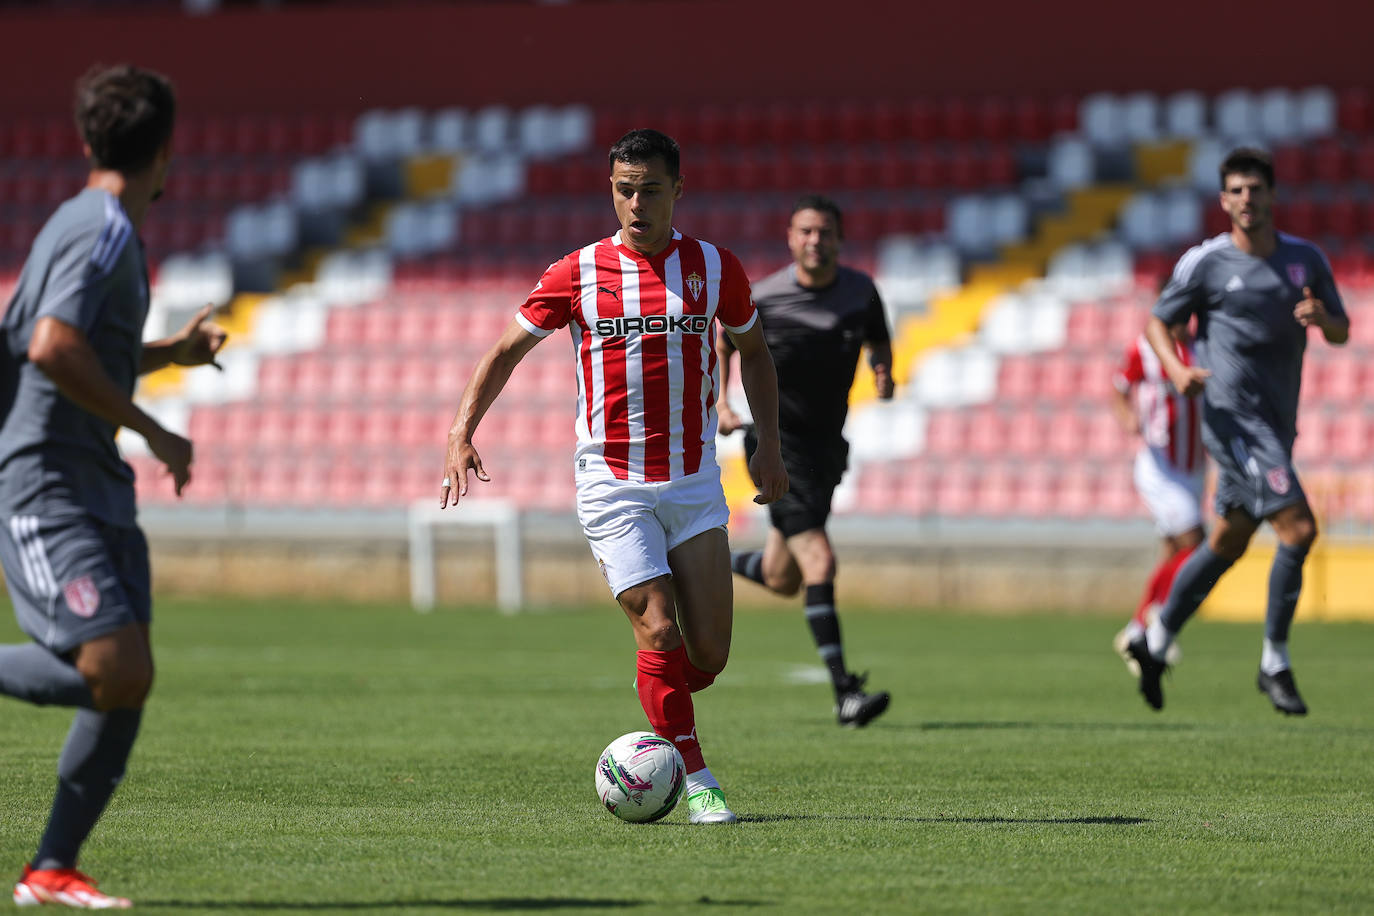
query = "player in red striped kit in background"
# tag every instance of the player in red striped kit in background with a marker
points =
(1169, 469)
(641, 307)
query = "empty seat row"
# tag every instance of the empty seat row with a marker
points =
(1026, 433)
(964, 167)
(996, 489)
(1024, 117)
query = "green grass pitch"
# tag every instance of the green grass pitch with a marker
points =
(369, 759)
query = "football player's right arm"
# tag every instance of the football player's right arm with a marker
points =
(488, 378)
(1181, 297)
(64, 355)
(1188, 380)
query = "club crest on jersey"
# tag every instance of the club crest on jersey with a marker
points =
(695, 284)
(83, 598)
(651, 324)
(1277, 479)
(1297, 274)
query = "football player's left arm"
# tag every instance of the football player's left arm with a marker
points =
(760, 381)
(880, 360)
(1334, 323)
(727, 420)
(196, 344)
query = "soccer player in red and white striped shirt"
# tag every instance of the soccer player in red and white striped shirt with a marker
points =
(641, 307)
(1169, 467)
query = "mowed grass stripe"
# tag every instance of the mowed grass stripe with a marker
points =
(364, 758)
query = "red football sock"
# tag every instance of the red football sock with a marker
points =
(663, 692)
(698, 679)
(1151, 593)
(1171, 569)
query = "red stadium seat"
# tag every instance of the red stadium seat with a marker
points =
(997, 492)
(1340, 217)
(1031, 119)
(1116, 496)
(946, 433)
(1355, 111)
(310, 428)
(1331, 163)
(957, 120)
(993, 119)
(1105, 437)
(1060, 377)
(967, 171)
(1066, 435)
(1019, 378)
(918, 120)
(1313, 444)
(955, 491)
(986, 435)
(1038, 495)
(1087, 328)
(1077, 494)
(1358, 496)
(1363, 164)
(1027, 434)
(1351, 435)
(1290, 165)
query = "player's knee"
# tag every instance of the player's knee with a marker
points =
(1302, 534)
(784, 585)
(712, 659)
(660, 635)
(122, 685)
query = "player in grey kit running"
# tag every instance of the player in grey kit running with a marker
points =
(1255, 292)
(75, 562)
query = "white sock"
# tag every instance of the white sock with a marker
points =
(1133, 631)
(701, 779)
(1274, 658)
(1159, 638)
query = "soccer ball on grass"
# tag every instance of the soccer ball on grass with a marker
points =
(640, 777)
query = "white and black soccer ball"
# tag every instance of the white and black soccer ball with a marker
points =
(640, 777)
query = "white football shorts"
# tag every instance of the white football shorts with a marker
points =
(631, 525)
(1173, 496)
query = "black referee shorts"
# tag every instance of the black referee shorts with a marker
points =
(814, 468)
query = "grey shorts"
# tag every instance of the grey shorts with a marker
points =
(73, 578)
(1254, 468)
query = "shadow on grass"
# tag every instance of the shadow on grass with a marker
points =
(1115, 821)
(494, 904)
(324, 906)
(1067, 726)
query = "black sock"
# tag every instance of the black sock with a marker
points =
(1285, 584)
(825, 630)
(748, 563)
(89, 770)
(30, 672)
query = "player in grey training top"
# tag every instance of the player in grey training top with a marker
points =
(75, 562)
(817, 316)
(1255, 292)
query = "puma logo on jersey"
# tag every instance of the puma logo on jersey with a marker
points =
(613, 293)
(651, 324)
(1234, 283)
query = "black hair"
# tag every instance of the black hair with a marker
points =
(1247, 160)
(125, 115)
(824, 205)
(643, 144)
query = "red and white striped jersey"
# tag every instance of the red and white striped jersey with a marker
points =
(1169, 422)
(643, 331)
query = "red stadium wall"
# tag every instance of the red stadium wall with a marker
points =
(342, 58)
